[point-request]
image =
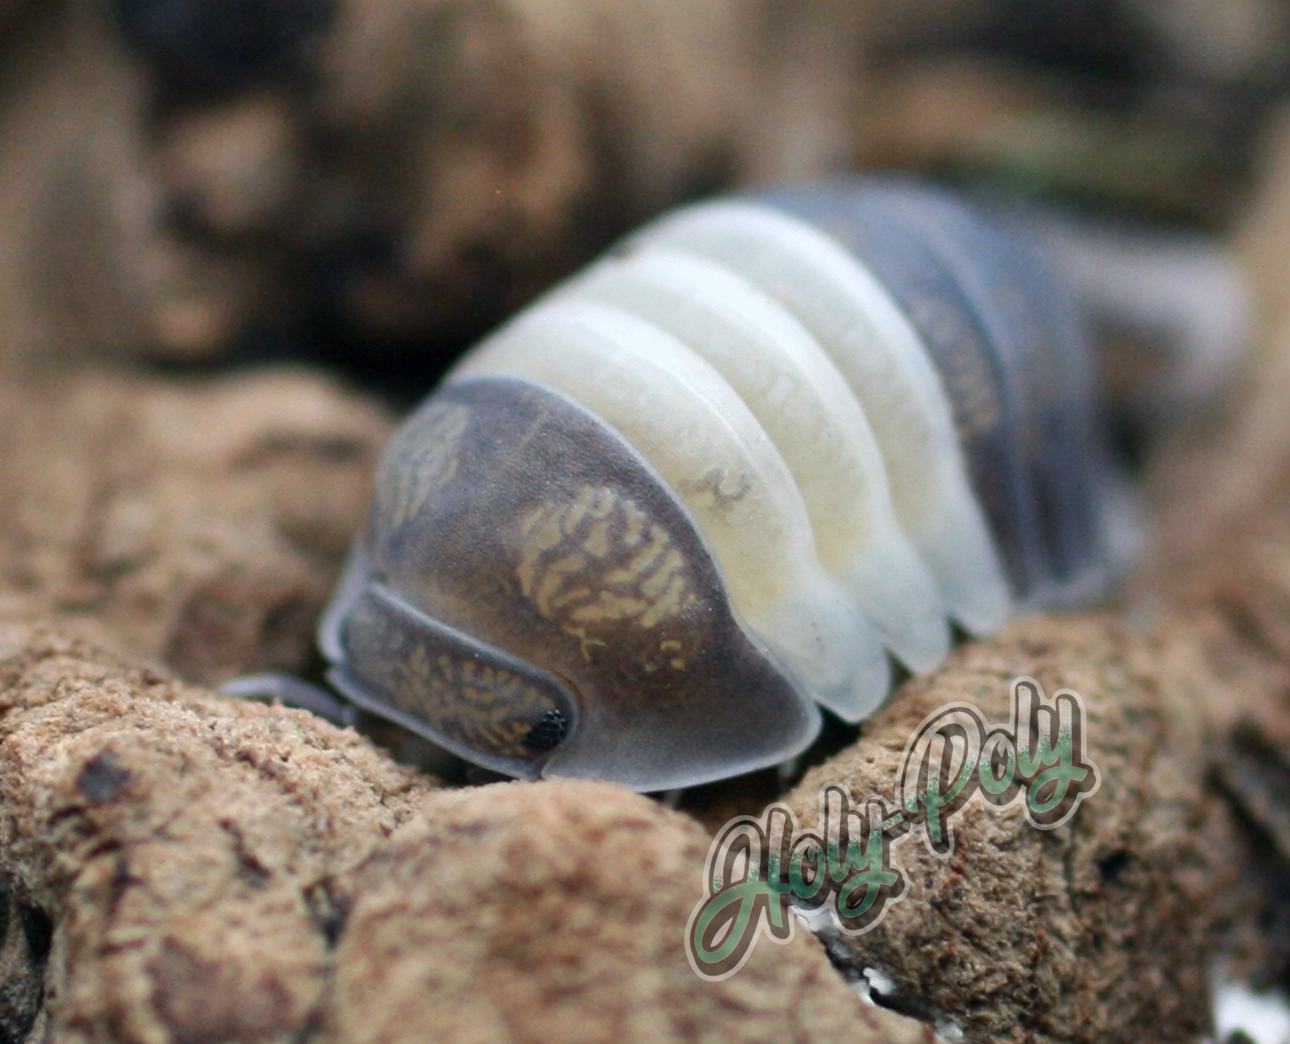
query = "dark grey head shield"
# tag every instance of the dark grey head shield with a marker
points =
(510, 518)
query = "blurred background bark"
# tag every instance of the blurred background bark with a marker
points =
(191, 184)
(189, 179)
(374, 178)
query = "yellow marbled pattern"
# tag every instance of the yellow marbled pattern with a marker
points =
(489, 707)
(422, 461)
(598, 563)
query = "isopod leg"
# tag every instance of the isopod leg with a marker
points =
(291, 691)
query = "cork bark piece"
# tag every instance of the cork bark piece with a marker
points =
(185, 849)
(208, 870)
(1099, 930)
(1222, 557)
(201, 523)
(486, 149)
(556, 911)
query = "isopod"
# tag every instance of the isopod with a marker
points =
(721, 479)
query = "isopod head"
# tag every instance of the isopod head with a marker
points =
(720, 480)
(512, 528)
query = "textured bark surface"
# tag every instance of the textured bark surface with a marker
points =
(1222, 555)
(185, 848)
(556, 911)
(222, 871)
(1100, 929)
(199, 522)
(540, 130)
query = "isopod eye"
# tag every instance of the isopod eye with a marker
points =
(530, 595)
(548, 733)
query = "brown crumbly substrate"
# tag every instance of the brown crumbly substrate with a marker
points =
(1097, 930)
(188, 868)
(1221, 486)
(199, 522)
(184, 867)
(185, 849)
(556, 911)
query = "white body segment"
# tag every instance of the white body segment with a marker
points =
(804, 404)
(693, 427)
(882, 359)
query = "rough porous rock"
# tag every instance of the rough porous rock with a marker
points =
(185, 849)
(1099, 930)
(200, 522)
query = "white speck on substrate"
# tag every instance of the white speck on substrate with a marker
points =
(1263, 1017)
(881, 982)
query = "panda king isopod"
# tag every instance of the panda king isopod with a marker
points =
(729, 475)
